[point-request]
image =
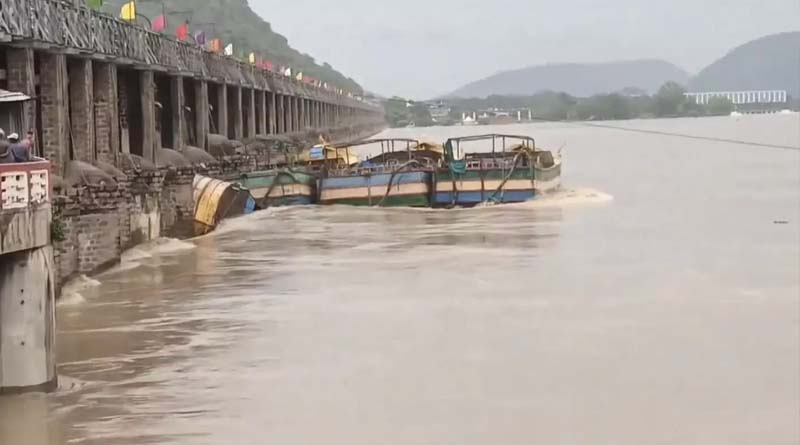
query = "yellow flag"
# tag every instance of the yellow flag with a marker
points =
(128, 11)
(252, 58)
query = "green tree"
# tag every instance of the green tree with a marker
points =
(670, 100)
(421, 115)
(604, 107)
(720, 106)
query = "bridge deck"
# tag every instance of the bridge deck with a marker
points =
(53, 24)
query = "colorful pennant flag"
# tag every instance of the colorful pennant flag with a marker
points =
(200, 38)
(95, 4)
(128, 11)
(159, 23)
(215, 45)
(229, 49)
(299, 76)
(183, 31)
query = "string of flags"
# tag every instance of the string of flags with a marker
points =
(159, 24)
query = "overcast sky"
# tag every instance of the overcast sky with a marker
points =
(423, 48)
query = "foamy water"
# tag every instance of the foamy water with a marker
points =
(71, 292)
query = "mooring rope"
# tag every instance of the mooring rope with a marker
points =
(391, 178)
(672, 134)
(275, 183)
(508, 176)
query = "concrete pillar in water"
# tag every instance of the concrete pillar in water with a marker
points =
(201, 112)
(238, 113)
(298, 123)
(106, 110)
(302, 113)
(288, 114)
(263, 114)
(21, 77)
(293, 112)
(81, 107)
(27, 321)
(280, 114)
(177, 102)
(273, 123)
(222, 109)
(53, 84)
(147, 88)
(251, 111)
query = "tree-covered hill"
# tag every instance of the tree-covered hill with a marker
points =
(768, 63)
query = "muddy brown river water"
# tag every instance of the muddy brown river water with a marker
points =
(656, 300)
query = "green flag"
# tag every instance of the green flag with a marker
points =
(95, 4)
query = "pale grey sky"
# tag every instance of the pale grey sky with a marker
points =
(423, 48)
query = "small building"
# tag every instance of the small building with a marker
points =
(12, 111)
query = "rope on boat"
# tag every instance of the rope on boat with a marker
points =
(272, 186)
(672, 134)
(508, 176)
(391, 179)
(456, 168)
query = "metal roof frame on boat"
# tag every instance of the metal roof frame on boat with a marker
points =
(363, 142)
(493, 136)
(453, 151)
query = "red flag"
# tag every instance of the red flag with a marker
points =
(268, 65)
(182, 31)
(159, 23)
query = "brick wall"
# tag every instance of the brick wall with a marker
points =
(106, 122)
(22, 78)
(177, 204)
(81, 94)
(54, 102)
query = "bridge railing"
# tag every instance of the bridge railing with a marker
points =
(24, 184)
(63, 24)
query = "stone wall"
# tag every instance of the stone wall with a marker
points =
(99, 222)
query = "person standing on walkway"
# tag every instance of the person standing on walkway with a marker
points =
(5, 149)
(18, 149)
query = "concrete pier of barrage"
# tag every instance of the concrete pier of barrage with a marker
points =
(124, 119)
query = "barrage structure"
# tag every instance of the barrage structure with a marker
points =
(125, 119)
(105, 86)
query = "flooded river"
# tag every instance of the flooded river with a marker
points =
(656, 300)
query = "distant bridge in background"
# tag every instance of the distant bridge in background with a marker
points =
(755, 97)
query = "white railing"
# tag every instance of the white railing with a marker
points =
(24, 184)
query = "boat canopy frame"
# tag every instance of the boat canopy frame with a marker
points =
(453, 145)
(388, 145)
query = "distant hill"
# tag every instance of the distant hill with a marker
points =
(768, 63)
(580, 80)
(235, 22)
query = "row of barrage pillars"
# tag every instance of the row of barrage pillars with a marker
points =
(95, 111)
